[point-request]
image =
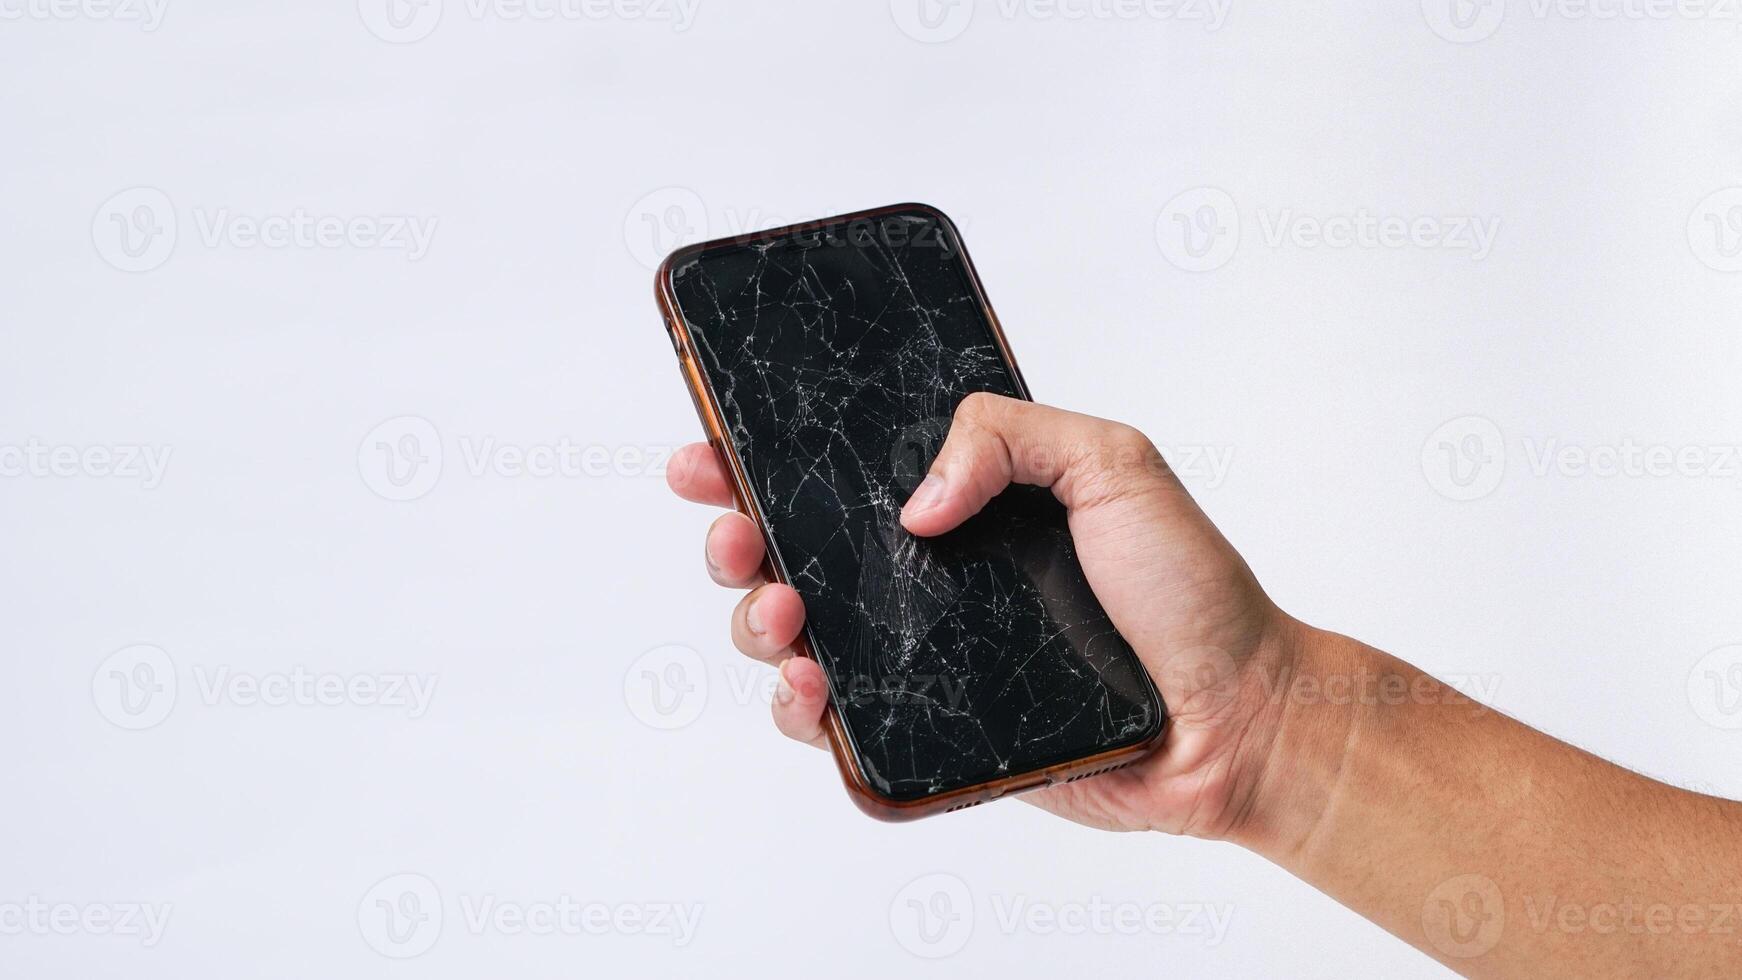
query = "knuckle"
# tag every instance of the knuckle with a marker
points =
(1130, 451)
(1120, 462)
(979, 407)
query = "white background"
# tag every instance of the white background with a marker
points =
(555, 156)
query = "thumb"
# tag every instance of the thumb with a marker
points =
(996, 441)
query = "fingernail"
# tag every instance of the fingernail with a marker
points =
(753, 620)
(708, 556)
(928, 495)
(783, 692)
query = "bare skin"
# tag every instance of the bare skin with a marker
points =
(1486, 844)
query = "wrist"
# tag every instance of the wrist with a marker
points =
(1295, 758)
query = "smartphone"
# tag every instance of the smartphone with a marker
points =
(826, 361)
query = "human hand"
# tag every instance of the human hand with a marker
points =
(1174, 588)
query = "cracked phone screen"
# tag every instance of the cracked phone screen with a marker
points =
(837, 356)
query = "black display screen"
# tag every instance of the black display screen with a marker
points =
(837, 356)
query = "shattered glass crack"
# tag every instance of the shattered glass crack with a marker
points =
(953, 660)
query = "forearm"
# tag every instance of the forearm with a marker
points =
(1487, 844)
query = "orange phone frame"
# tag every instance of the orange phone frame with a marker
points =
(859, 788)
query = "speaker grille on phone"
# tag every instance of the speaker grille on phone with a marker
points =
(1096, 772)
